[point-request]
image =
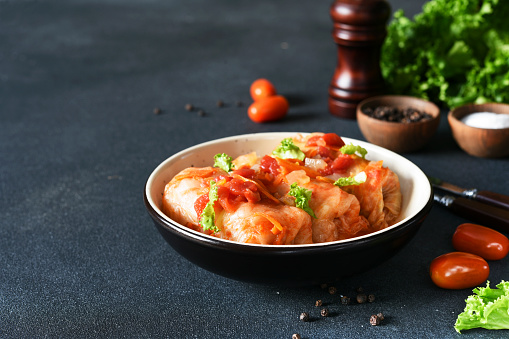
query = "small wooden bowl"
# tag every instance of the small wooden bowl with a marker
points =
(480, 142)
(397, 136)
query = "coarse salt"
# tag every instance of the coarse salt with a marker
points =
(486, 120)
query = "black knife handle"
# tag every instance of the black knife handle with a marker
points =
(486, 215)
(493, 198)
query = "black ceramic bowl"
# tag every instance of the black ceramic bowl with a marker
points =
(290, 265)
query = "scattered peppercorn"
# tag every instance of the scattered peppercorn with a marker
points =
(324, 312)
(359, 289)
(304, 316)
(189, 107)
(239, 103)
(323, 286)
(157, 110)
(201, 113)
(345, 300)
(296, 336)
(361, 298)
(332, 290)
(376, 319)
(220, 103)
(318, 303)
(371, 298)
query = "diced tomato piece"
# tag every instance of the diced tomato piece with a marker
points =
(328, 139)
(324, 152)
(269, 165)
(313, 140)
(200, 203)
(332, 139)
(341, 163)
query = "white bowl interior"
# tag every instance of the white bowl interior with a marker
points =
(415, 187)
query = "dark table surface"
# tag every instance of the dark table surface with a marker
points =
(79, 255)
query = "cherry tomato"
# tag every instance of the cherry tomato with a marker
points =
(268, 109)
(459, 270)
(262, 88)
(480, 240)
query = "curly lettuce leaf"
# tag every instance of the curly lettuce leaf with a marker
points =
(288, 150)
(453, 53)
(223, 161)
(488, 308)
(351, 149)
(358, 179)
(302, 196)
(208, 215)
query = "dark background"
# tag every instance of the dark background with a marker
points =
(79, 255)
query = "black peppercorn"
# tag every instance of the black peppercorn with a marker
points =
(318, 303)
(239, 103)
(157, 110)
(332, 290)
(220, 103)
(345, 300)
(361, 298)
(296, 336)
(323, 286)
(304, 316)
(201, 113)
(324, 312)
(359, 289)
(189, 107)
(376, 319)
(371, 298)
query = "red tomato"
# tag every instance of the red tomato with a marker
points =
(480, 240)
(458, 270)
(262, 88)
(268, 109)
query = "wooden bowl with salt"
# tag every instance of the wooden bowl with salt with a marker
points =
(481, 130)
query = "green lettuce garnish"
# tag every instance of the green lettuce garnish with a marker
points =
(223, 161)
(452, 53)
(351, 149)
(488, 308)
(208, 215)
(302, 196)
(358, 179)
(288, 150)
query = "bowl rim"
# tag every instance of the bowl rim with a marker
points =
(401, 97)
(182, 230)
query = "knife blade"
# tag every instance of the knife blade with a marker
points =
(487, 215)
(486, 197)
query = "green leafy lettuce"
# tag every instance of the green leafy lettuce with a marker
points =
(453, 53)
(302, 196)
(358, 179)
(223, 161)
(288, 150)
(487, 308)
(351, 149)
(208, 215)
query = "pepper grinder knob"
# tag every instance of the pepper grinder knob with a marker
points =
(359, 31)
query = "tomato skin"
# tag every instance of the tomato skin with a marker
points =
(261, 89)
(480, 240)
(268, 109)
(458, 270)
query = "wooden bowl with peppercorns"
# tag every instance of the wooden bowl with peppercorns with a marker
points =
(296, 264)
(481, 130)
(399, 123)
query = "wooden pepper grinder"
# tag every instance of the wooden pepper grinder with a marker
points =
(359, 31)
